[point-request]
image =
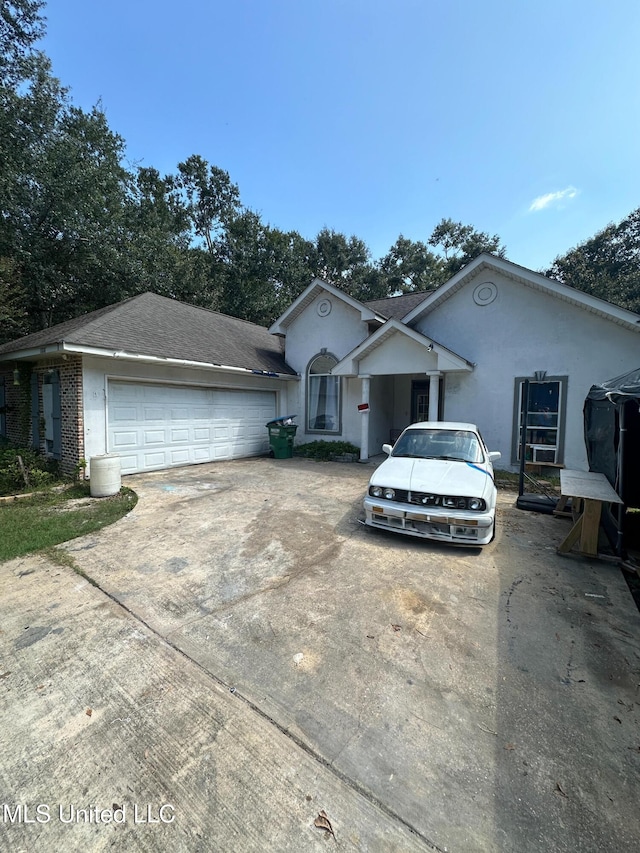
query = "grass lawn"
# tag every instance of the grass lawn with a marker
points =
(50, 517)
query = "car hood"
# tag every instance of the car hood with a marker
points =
(437, 476)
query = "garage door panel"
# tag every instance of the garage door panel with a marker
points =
(152, 414)
(125, 439)
(180, 414)
(154, 460)
(152, 436)
(124, 413)
(157, 426)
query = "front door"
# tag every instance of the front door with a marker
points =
(419, 401)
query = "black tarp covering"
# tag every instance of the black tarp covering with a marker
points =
(612, 434)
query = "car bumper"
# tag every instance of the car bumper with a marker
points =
(444, 525)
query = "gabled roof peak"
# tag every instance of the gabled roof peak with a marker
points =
(529, 278)
(309, 294)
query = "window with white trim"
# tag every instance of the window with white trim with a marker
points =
(323, 395)
(545, 408)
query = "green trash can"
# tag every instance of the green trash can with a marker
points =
(282, 432)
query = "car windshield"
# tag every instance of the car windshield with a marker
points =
(457, 445)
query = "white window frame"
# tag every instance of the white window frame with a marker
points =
(318, 383)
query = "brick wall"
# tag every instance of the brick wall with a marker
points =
(72, 421)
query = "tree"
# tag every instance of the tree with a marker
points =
(13, 315)
(607, 265)
(77, 229)
(158, 255)
(21, 25)
(264, 268)
(209, 198)
(64, 224)
(346, 263)
(410, 266)
(460, 244)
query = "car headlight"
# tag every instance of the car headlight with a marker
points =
(455, 503)
(477, 504)
(382, 492)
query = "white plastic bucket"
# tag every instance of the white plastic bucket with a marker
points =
(104, 475)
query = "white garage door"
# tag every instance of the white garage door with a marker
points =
(159, 426)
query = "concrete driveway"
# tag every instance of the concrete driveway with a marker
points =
(249, 656)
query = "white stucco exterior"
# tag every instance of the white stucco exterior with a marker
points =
(493, 323)
(522, 331)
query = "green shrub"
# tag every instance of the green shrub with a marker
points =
(325, 450)
(35, 472)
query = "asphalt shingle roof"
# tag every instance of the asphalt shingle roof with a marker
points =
(397, 307)
(156, 326)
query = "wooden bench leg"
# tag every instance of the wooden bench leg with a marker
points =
(561, 507)
(571, 538)
(590, 527)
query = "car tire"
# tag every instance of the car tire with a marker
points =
(493, 532)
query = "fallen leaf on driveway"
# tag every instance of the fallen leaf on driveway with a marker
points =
(509, 746)
(323, 822)
(561, 790)
(88, 712)
(397, 627)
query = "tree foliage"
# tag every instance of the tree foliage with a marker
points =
(21, 25)
(460, 244)
(207, 196)
(80, 229)
(410, 266)
(607, 265)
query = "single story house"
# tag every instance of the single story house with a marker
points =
(162, 383)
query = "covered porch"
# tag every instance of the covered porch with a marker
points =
(395, 377)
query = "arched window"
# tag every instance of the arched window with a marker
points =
(323, 395)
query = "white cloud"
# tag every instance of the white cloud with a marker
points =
(556, 199)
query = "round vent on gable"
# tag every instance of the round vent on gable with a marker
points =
(485, 293)
(324, 307)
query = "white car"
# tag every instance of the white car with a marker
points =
(437, 484)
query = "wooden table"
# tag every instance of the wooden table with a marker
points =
(588, 491)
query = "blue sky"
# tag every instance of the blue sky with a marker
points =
(377, 117)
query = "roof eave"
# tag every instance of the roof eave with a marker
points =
(79, 349)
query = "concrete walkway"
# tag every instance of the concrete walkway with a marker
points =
(252, 657)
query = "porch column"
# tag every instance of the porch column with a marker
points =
(434, 390)
(364, 425)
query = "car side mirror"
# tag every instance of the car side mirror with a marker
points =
(387, 448)
(494, 455)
